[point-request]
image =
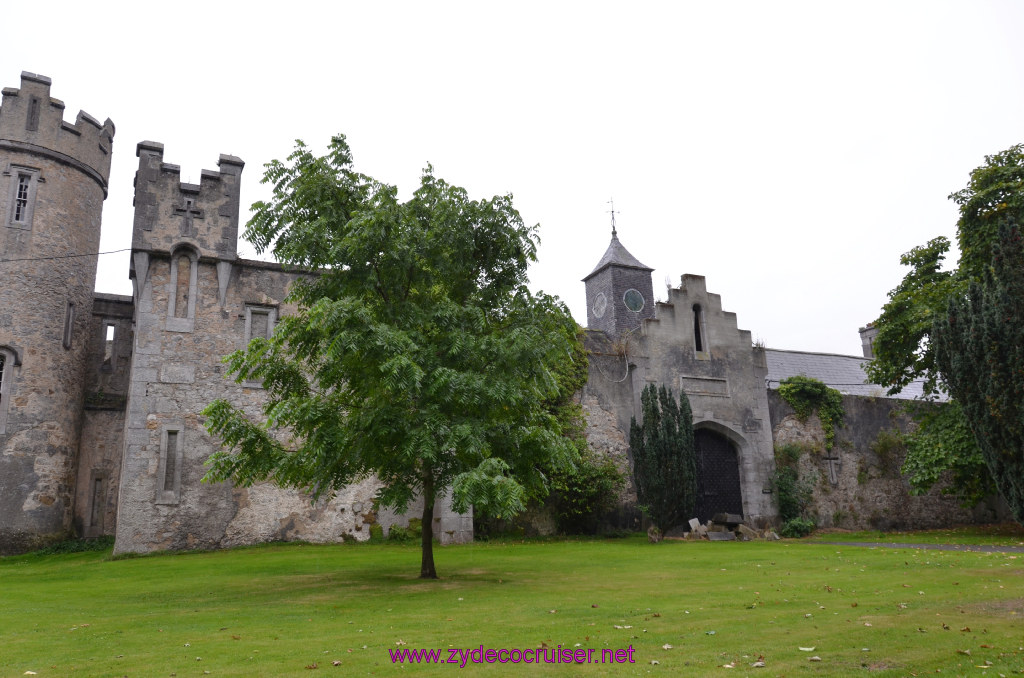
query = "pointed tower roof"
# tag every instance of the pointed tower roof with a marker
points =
(617, 255)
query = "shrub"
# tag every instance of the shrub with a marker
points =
(797, 527)
(581, 494)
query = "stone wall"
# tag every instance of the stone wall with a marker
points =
(865, 489)
(46, 297)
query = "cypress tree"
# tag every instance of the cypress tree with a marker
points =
(664, 460)
(979, 348)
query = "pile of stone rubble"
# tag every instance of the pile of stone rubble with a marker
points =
(722, 527)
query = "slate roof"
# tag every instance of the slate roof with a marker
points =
(618, 255)
(842, 372)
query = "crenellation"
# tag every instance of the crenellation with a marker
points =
(28, 126)
(204, 215)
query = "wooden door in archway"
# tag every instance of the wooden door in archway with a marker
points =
(718, 475)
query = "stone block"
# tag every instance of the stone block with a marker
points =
(747, 532)
(728, 518)
(694, 524)
(721, 536)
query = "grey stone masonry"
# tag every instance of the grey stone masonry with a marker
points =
(53, 178)
(722, 374)
(170, 213)
(31, 121)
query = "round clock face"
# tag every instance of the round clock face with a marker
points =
(600, 305)
(633, 300)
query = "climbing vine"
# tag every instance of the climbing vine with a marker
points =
(807, 395)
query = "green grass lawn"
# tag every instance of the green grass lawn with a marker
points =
(692, 607)
(1007, 534)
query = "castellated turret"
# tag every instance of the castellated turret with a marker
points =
(53, 181)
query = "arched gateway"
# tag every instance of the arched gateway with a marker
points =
(718, 475)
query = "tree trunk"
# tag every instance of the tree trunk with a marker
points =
(427, 570)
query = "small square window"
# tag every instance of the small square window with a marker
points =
(259, 322)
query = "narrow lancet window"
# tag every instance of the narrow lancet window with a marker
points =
(184, 266)
(171, 463)
(6, 377)
(698, 329)
(69, 323)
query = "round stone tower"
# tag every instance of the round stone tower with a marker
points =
(53, 180)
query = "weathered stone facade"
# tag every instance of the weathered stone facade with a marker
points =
(692, 345)
(100, 395)
(53, 179)
(100, 425)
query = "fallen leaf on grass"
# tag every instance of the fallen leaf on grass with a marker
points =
(758, 665)
(234, 637)
(815, 658)
(314, 665)
(655, 662)
(666, 646)
(730, 665)
(966, 652)
(336, 663)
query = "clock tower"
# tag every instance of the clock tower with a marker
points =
(620, 294)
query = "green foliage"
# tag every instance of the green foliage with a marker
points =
(104, 543)
(582, 493)
(417, 353)
(807, 395)
(889, 446)
(993, 196)
(904, 350)
(943, 443)
(792, 492)
(376, 533)
(979, 347)
(797, 527)
(664, 458)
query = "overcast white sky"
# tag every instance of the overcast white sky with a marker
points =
(788, 151)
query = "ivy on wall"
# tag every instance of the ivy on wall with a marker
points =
(807, 395)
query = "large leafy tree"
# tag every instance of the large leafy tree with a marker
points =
(904, 350)
(664, 458)
(417, 353)
(979, 348)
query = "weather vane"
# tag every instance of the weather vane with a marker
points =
(612, 212)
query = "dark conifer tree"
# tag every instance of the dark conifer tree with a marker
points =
(664, 460)
(979, 348)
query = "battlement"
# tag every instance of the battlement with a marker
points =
(32, 121)
(169, 211)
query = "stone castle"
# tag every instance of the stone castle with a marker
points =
(100, 394)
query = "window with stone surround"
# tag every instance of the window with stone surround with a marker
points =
(181, 290)
(168, 475)
(69, 324)
(22, 196)
(259, 321)
(7, 363)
